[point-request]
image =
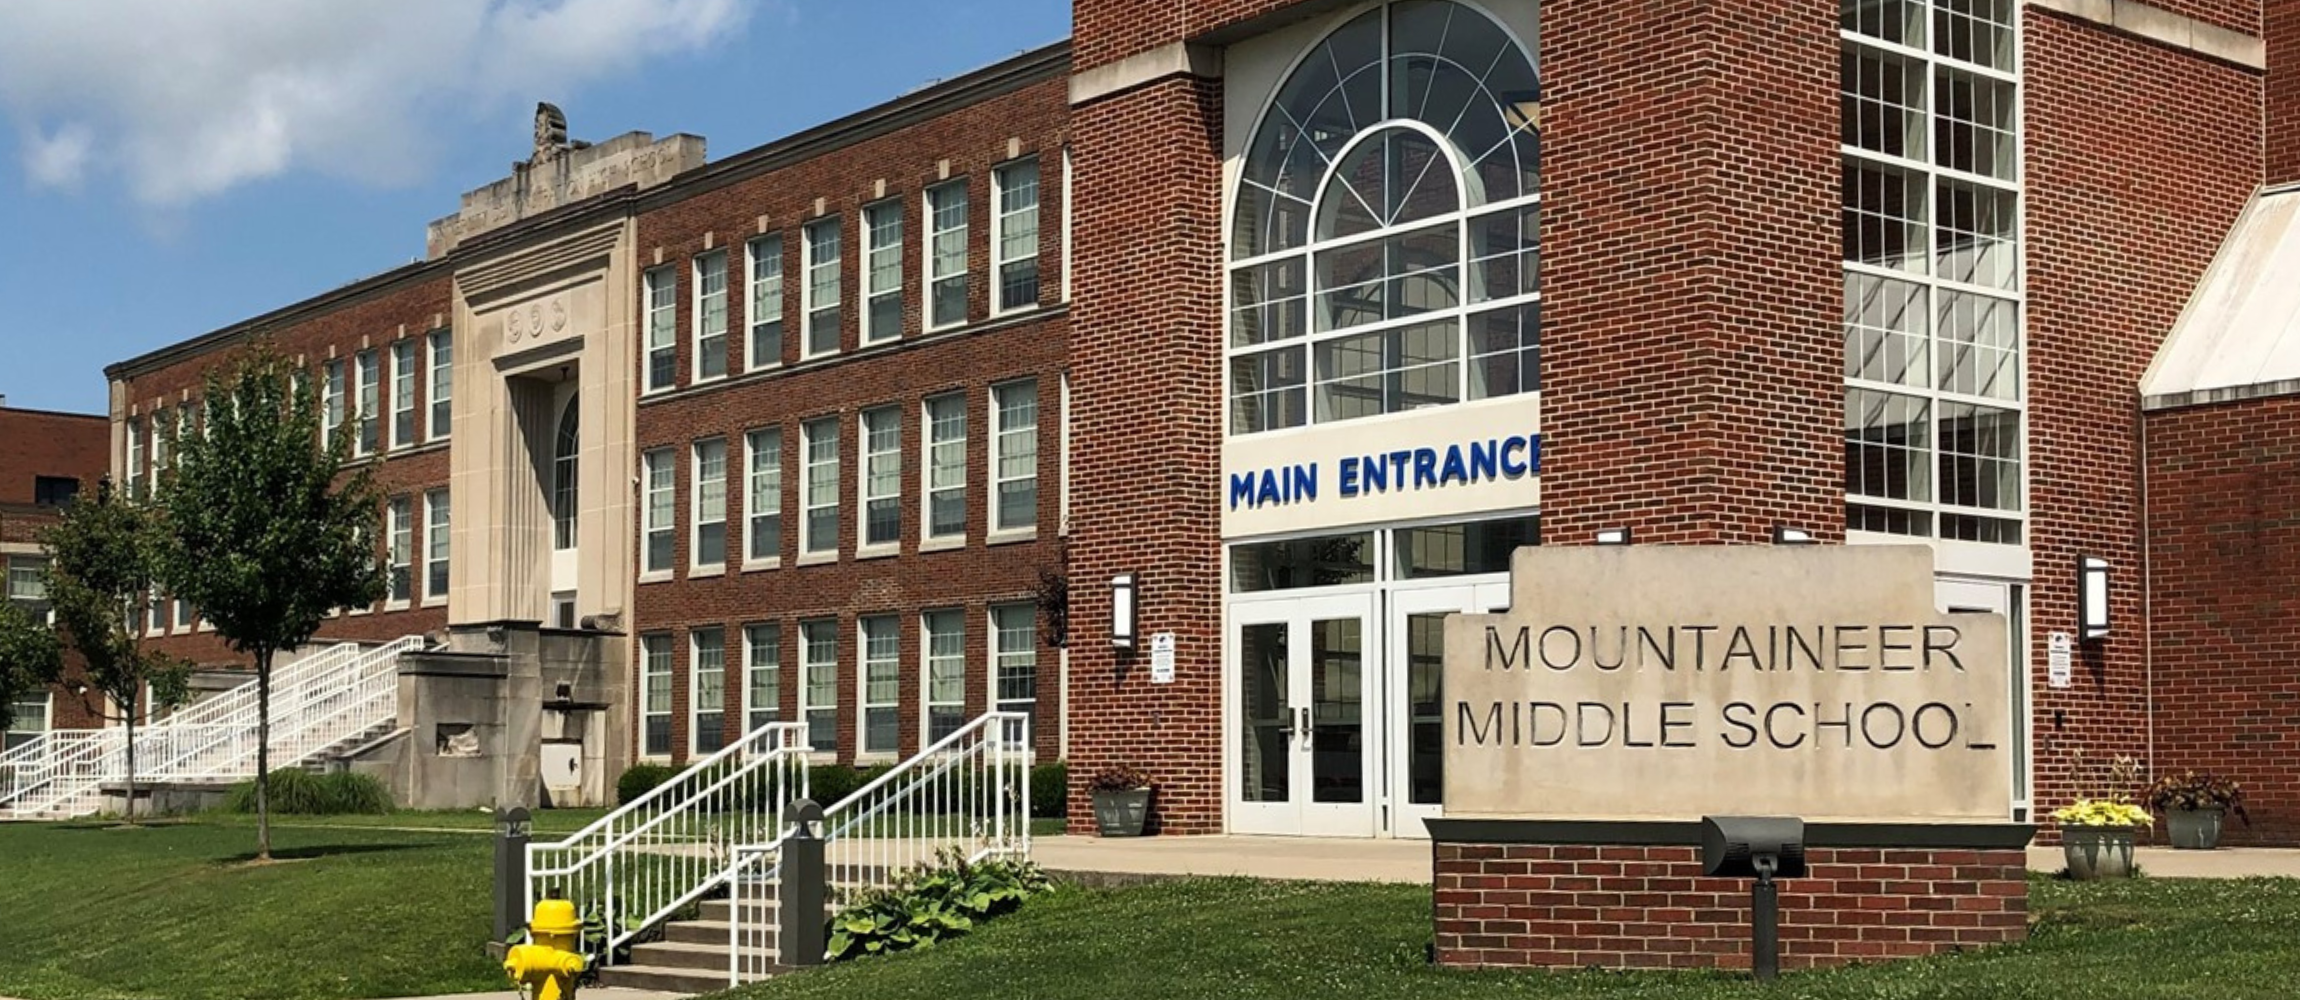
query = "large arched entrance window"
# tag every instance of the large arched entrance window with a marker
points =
(1384, 237)
(566, 498)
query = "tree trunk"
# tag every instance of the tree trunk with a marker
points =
(263, 754)
(130, 810)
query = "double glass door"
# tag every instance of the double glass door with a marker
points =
(1305, 743)
(1339, 709)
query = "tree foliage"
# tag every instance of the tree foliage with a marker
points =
(104, 556)
(269, 535)
(30, 657)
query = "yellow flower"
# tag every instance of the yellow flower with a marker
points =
(2098, 812)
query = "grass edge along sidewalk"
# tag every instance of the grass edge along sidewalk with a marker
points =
(2145, 939)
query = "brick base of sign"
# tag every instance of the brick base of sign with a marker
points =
(1646, 906)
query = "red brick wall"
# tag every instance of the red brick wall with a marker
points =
(2138, 159)
(2280, 26)
(1146, 362)
(410, 307)
(35, 443)
(1559, 906)
(2224, 571)
(973, 140)
(1692, 353)
(1110, 30)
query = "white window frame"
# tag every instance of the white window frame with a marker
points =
(999, 217)
(754, 666)
(928, 660)
(399, 534)
(706, 315)
(659, 477)
(810, 668)
(442, 401)
(878, 483)
(817, 234)
(703, 512)
(888, 629)
(931, 259)
(764, 256)
(660, 329)
(46, 715)
(336, 401)
(763, 486)
(1000, 434)
(812, 478)
(695, 688)
(999, 656)
(368, 435)
(648, 709)
(930, 464)
(882, 220)
(405, 370)
(163, 423)
(1066, 224)
(438, 541)
(135, 458)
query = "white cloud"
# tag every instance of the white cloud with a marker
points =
(187, 98)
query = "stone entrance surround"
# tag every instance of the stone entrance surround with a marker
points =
(1630, 895)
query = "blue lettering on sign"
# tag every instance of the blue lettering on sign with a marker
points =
(1467, 463)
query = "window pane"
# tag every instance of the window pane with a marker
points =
(947, 261)
(823, 290)
(1017, 650)
(1330, 561)
(1505, 254)
(946, 466)
(442, 383)
(1269, 302)
(763, 656)
(882, 476)
(1390, 371)
(662, 329)
(711, 315)
(1016, 461)
(1886, 339)
(882, 683)
(1269, 390)
(766, 312)
(945, 673)
(1389, 278)
(885, 316)
(1017, 239)
(1884, 216)
(822, 486)
(1888, 442)
(1883, 104)
(1505, 352)
(1461, 549)
(710, 503)
(655, 694)
(765, 501)
(708, 698)
(819, 695)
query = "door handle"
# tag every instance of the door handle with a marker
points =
(1302, 720)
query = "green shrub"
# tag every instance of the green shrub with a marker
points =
(641, 779)
(932, 903)
(297, 792)
(1050, 790)
(828, 783)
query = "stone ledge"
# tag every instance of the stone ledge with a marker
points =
(1667, 833)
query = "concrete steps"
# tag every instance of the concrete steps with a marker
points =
(692, 955)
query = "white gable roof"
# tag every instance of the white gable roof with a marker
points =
(2240, 336)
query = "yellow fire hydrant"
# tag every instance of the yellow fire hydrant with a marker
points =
(546, 967)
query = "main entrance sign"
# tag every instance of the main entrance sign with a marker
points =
(1675, 682)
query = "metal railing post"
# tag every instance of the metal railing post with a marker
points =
(513, 829)
(802, 894)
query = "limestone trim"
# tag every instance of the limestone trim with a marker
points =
(1171, 59)
(2164, 27)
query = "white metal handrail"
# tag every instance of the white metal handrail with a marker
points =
(968, 795)
(673, 846)
(317, 703)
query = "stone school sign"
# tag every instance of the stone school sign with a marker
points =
(1668, 683)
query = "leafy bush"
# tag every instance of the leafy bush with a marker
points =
(933, 903)
(2197, 790)
(641, 779)
(1050, 790)
(1120, 778)
(297, 792)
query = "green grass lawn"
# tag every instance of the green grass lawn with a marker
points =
(93, 911)
(546, 821)
(2142, 940)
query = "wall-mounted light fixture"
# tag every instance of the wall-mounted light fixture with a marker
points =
(1613, 536)
(2092, 597)
(1124, 594)
(1785, 535)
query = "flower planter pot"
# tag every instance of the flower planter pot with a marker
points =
(1120, 814)
(2097, 851)
(2194, 829)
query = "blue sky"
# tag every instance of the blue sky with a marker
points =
(174, 169)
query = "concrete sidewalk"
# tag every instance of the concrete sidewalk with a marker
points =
(1408, 861)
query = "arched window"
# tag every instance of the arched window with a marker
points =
(565, 496)
(1384, 237)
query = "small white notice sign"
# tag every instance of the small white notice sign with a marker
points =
(2059, 664)
(1162, 658)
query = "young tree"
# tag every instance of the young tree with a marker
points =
(268, 535)
(103, 560)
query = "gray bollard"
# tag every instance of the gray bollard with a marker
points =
(803, 896)
(512, 831)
